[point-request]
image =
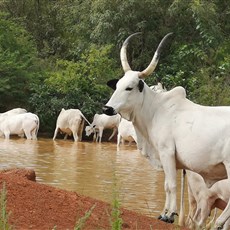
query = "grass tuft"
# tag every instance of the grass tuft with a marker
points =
(116, 220)
(4, 216)
(81, 222)
(116, 213)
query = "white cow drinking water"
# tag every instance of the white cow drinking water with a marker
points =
(172, 131)
(20, 124)
(70, 122)
(101, 122)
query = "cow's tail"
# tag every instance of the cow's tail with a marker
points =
(38, 124)
(85, 118)
(181, 220)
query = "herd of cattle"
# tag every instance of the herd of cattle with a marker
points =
(69, 122)
(170, 130)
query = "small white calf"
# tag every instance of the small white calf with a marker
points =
(20, 124)
(70, 122)
(203, 199)
(126, 132)
(101, 122)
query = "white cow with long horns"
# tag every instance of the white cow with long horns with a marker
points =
(172, 131)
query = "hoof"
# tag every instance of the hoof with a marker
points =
(159, 217)
(171, 218)
(164, 218)
(167, 219)
(218, 226)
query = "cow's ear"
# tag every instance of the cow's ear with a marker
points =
(112, 83)
(141, 85)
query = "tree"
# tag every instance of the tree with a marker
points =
(78, 43)
(17, 64)
(78, 85)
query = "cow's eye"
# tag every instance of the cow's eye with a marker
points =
(128, 88)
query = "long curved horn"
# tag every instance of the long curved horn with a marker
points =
(155, 59)
(123, 53)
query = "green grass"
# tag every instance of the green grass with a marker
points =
(81, 222)
(4, 216)
(115, 214)
(116, 220)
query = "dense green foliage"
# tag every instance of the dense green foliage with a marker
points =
(59, 54)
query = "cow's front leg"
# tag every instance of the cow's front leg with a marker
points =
(163, 215)
(75, 136)
(167, 158)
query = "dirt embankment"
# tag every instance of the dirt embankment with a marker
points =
(37, 206)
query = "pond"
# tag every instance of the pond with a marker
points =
(92, 169)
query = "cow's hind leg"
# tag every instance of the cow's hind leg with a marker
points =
(113, 133)
(34, 133)
(28, 134)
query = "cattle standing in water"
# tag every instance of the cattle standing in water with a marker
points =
(172, 131)
(101, 122)
(20, 124)
(70, 121)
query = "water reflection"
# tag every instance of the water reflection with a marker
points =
(91, 169)
(15, 153)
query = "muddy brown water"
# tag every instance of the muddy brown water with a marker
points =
(92, 169)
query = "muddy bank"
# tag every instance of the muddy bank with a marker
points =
(38, 206)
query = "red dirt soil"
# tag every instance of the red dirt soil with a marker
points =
(38, 206)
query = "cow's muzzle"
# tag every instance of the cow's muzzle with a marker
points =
(108, 110)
